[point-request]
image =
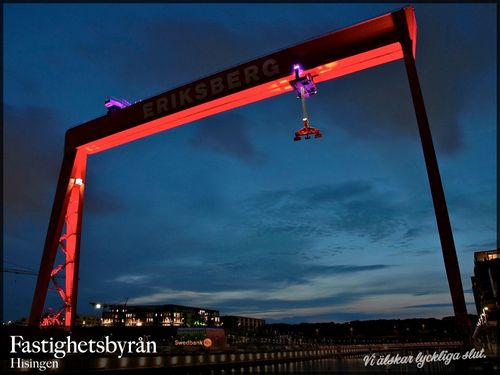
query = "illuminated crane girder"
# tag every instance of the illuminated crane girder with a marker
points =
(342, 52)
(367, 44)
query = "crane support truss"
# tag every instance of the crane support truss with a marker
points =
(377, 41)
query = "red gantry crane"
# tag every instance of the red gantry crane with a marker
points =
(377, 41)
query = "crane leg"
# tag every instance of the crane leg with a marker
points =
(66, 213)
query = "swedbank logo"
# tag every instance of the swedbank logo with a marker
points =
(189, 342)
(206, 342)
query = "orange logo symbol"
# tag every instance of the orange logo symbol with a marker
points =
(207, 342)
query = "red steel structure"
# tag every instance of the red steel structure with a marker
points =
(377, 41)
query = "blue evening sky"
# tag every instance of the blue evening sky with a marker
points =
(228, 212)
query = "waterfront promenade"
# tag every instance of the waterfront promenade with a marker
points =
(202, 361)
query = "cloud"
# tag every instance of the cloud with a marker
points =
(300, 302)
(169, 49)
(340, 269)
(130, 279)
(165, 50)
(412, 233)
(226, 133)
(340, 192)
(310, 284)
(23, 83)
(432, 305)
(481, 246)
(353, 207)
(100, 202)
(33, 147)
(33, 151)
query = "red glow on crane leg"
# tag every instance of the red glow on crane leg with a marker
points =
(73, 221)
(66, 213)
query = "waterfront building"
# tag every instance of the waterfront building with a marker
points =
(485, 289)
(88, 320)
(235, 324)
(160, 315)
(81, 320)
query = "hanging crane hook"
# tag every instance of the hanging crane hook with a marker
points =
(304, 87)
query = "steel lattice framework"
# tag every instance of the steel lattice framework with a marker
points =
(377, 41)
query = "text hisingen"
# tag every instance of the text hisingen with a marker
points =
(25, 364)
(201, 91)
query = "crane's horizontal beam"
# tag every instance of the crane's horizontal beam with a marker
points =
(342, 52)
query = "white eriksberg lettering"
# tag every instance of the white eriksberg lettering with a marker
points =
(201, 91)
(270, 68)
(233, 80)
(251, 73)
(161, 105)
(184, 96)
(216, 85)
(148, 109)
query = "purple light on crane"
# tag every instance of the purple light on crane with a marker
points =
(113, 104)
(298, 71)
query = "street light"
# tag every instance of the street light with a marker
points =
(98, 305)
